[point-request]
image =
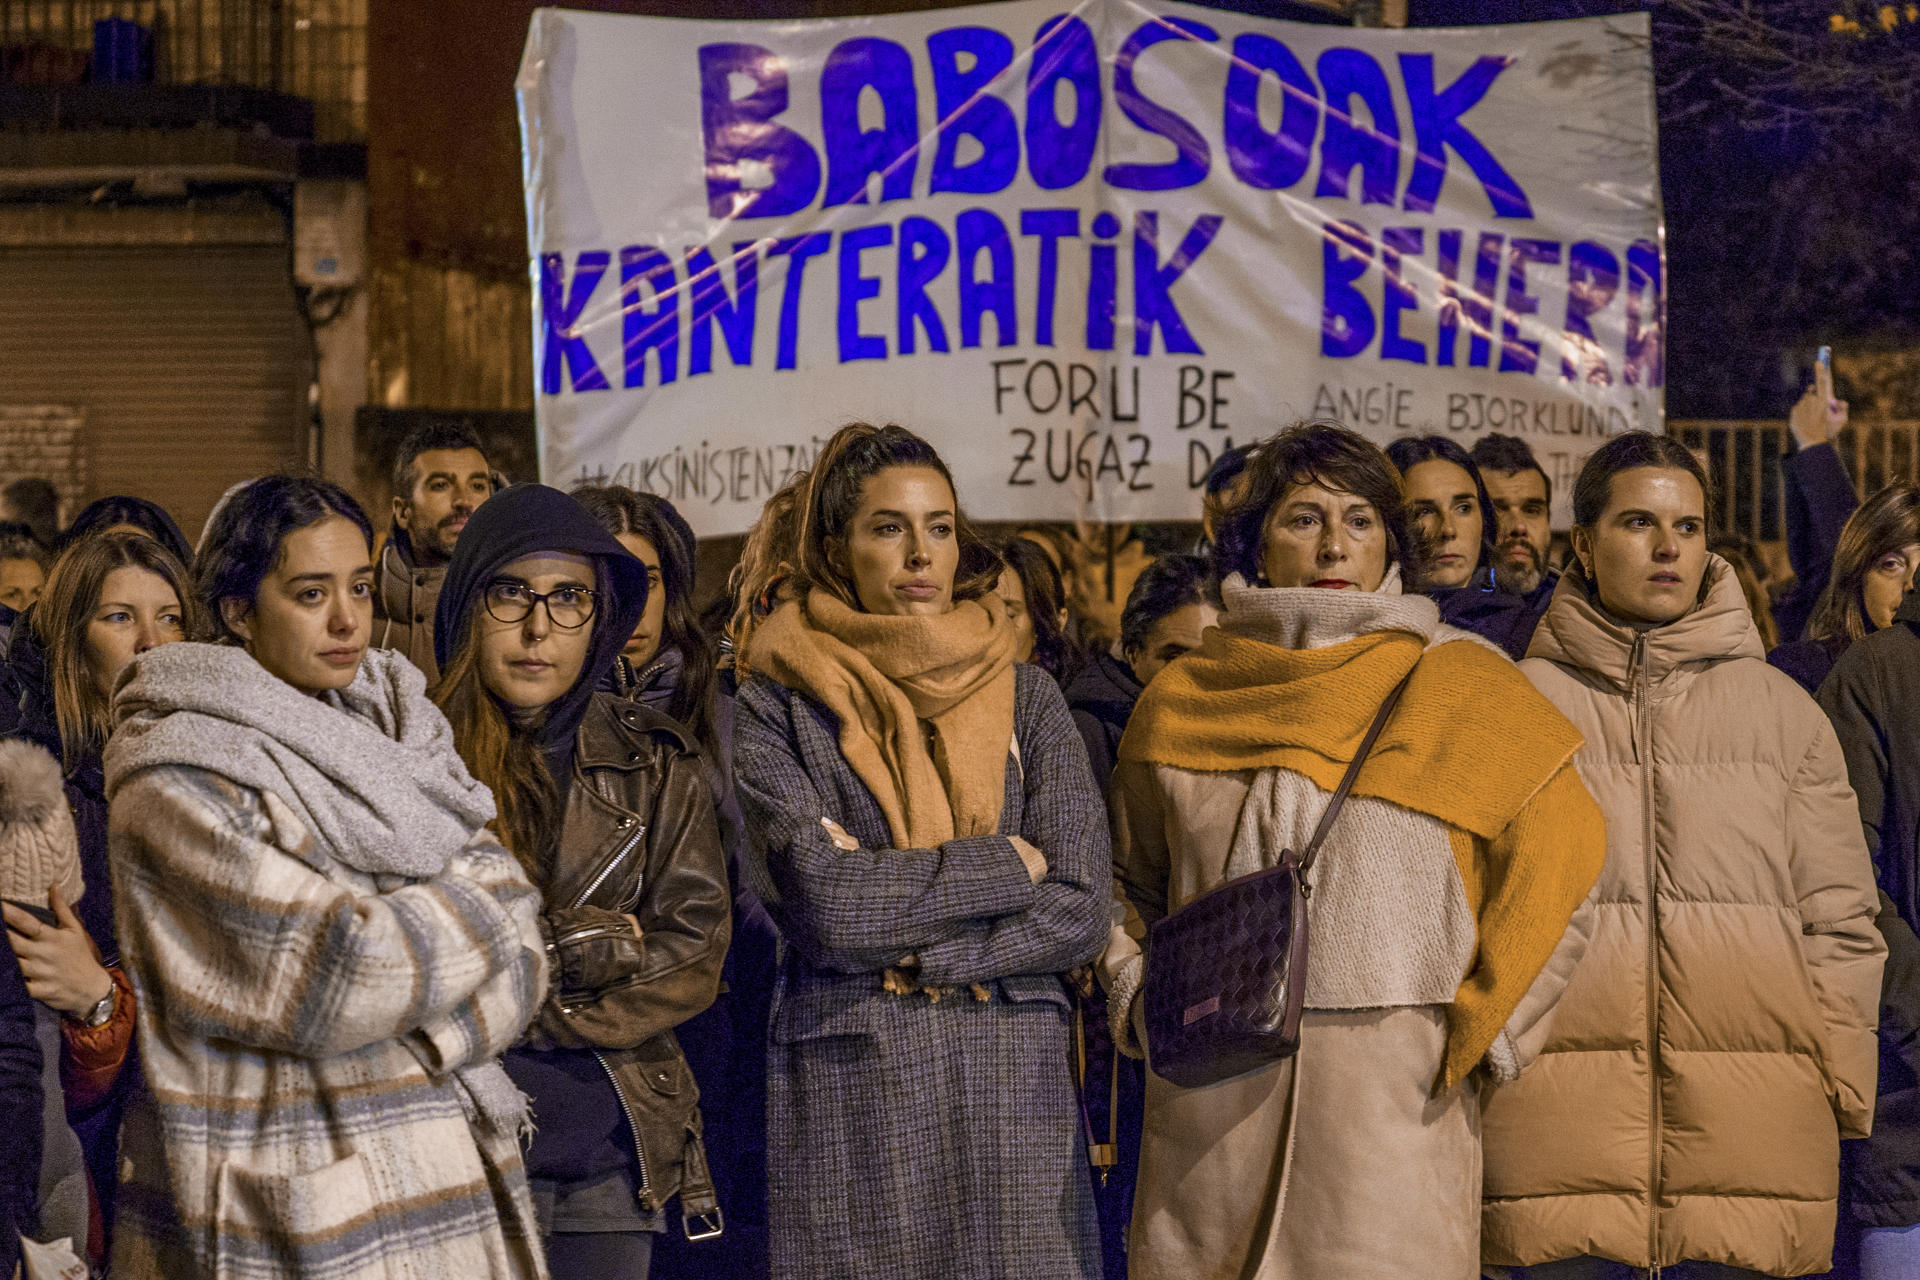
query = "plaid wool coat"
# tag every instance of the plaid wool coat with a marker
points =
(298, 1028)
(908, 1138)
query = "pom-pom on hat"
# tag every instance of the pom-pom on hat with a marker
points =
(38, 846)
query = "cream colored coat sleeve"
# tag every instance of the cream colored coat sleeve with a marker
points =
(1835, 887)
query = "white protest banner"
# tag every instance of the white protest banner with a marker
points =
(1081, 250)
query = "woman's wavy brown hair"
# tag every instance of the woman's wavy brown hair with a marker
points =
(60, 619)
(857, 453)
(765, 564)
(1322, 452)
(1883, 524)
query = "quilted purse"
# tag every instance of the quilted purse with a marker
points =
(1227, 973)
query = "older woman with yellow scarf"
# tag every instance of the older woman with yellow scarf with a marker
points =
(1447, 905)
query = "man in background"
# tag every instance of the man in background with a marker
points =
(440, 478)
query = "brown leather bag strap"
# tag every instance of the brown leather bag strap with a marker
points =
(1380, 717)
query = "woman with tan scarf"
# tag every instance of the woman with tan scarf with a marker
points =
(1441, 901)
(928, 835)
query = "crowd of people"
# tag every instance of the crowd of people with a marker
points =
(462, 899)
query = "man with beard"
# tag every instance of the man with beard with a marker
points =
(440, 478)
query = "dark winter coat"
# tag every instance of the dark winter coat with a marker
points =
(726, 1044)
(96, 1121)
(20, 1116)
(1820, 497)
(1808, 661)
(913, 1139)
(1873, 698)
(1507, 620)
(1101, 699)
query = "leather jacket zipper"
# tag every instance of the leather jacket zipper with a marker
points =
(627, 846)
(645, 1191)
(592, 931)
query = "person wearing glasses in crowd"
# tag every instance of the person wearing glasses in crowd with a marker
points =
(606, 805)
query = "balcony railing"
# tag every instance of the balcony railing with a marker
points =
(1744, 458)
(310, 49)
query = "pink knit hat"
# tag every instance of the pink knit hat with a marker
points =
(38, 846)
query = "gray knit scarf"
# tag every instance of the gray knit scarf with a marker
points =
(370, 770)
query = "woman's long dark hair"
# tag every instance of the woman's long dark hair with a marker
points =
(857, 453)
(1883, 524)
(243, 541)
(1046, 596)
(620, 510)
(1408, 452)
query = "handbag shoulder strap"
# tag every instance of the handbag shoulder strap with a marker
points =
(1380, 718)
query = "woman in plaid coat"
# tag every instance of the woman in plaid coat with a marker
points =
(930, 840)
(329, 947)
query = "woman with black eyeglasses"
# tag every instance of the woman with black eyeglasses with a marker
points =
(605, 804)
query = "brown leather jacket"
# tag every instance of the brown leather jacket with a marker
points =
(637, 923)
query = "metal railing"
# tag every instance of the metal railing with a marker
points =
(1744, 459)
(313, 49)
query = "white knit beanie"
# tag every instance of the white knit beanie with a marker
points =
(38, 846)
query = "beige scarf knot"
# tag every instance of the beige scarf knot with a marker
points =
(887, 678)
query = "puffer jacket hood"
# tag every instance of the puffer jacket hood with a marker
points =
(1717, 1041)
(1577, 632)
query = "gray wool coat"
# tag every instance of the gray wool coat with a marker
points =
(912, 1139)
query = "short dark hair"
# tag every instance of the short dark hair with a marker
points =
(245, 539)
(1594, 489)
(37, 503)
(118, 509)
(856, 454)
(1164, 587)
(1509, 455)
(426, 439)
(1308, 452)
(1053, 651)
(18, 543)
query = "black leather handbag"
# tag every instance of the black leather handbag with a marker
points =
(1227, 973)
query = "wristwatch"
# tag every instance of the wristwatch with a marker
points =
(102, 1011)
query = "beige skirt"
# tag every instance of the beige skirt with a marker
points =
(1337, 1163)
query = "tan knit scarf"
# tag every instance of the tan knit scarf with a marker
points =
(888, 678)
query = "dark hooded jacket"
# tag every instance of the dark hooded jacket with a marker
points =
(1873, 698)
(1500, 616)
(1819, 498)
(20, 1112)
(1101, 697)
(635, 888)
(726, 1045)
(96, 1120)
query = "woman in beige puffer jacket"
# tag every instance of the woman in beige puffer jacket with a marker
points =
(1717, 1041)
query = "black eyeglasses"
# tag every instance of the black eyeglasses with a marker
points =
(568, 608)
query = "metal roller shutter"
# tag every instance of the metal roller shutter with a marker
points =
(189, 362)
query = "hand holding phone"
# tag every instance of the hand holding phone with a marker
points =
(1818, 416)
